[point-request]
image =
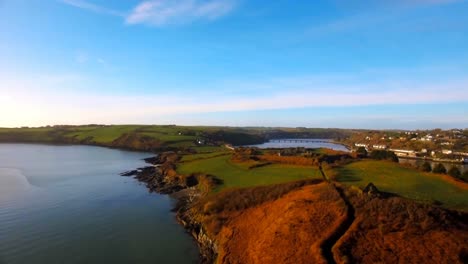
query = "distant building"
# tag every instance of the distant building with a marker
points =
(404, 152)
(361, 145)
(447, 151)
(379, 146)
(427, 137)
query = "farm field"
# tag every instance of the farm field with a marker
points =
(131, 136)
(239, 175)
(105, 134)
(410, 183)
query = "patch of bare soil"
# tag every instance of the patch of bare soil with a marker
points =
(290, 229)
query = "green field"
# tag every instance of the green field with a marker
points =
(105, 134)
(171, 136)
(164, 135)
(237, 175)
(200, 156)
(410, 183)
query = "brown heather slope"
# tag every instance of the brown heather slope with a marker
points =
(302, 225)
(290, 229)
(312, 221)
(397, 230)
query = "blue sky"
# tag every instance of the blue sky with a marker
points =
(337, 63)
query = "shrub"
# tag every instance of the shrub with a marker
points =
(454, 172)
(439, 168)
(426, 167)
(465, 176)
(361, 152)
(384, 155)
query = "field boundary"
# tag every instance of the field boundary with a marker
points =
(328, 244)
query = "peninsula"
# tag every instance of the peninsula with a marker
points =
(325, 205)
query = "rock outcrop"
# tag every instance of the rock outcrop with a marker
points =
(161, 177)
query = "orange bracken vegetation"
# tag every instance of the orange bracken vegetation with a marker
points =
(290, 229)
(397, 230)
(312, 221)
(213, 210)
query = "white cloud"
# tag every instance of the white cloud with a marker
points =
(163, 12)
(93, 7)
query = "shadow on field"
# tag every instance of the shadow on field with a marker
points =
(346, 175)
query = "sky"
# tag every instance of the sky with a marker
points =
(379, 64)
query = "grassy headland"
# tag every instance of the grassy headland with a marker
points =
(407, 182)
(297, 215)
(235, 174)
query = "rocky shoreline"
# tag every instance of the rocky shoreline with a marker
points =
(161, 177)
(362, 237)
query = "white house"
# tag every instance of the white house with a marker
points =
(379, 146)
(404, 152)
(361, 145)
(447, 151)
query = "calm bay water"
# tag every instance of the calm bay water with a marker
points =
(68, 204)
(324, 143)
(304, 143)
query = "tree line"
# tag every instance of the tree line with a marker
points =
(440, 168)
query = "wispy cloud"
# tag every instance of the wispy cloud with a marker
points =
(93, 7)
(85, 58)
(162, 12)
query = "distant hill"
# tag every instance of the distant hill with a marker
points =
(160, 137)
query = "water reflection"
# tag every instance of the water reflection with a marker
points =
(303, 142)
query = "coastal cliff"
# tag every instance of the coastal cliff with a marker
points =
(162, 178)
(296, 222)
